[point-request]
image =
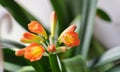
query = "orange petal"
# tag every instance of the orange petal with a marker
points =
(70, 28)
(24, 40)
(20, 52)
(34, 52)
(37, 28)
(29, 37)
(71, 39)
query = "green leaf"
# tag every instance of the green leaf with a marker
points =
(103, 15)
(26, 69)
(109, 56)
(11, 67)
(66, 10)
(114, 69)
(37, 66)
(16, 12)
(62, 14)
(10, 43)
(9, 56)
(43, 63)
(74, 8)
(75, 64)
(21, 15)
(103, 68)
(86, 28)
(96, 49)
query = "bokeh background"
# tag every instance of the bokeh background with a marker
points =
(107, 33)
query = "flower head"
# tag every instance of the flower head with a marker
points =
(70, 39)
(34, 52)
(41, 45)
(37, 28)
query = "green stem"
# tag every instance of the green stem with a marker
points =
(54, 63)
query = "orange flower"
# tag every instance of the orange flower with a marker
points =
(70, 28)
(70, 39)
(37, 28)
(29, 37)
(34, 52)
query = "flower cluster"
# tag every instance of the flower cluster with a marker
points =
(41, 43)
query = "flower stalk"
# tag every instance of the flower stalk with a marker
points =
(54, 63)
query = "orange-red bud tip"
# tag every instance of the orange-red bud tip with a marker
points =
(51, 48)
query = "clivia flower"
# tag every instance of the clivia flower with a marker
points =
(32, 52)
(70, 39)
(41, 43)
(37, 28)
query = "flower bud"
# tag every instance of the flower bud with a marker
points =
(70, 28)
(37, 28)
(51, 48)
(62, 49)
(53, 23)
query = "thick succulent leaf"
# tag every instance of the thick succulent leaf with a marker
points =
(75, 64)
(109, 56)
(103, 15)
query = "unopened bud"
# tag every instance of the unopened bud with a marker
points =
(53, 23)
(51, 48)
(62, 49)
(70, 28)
